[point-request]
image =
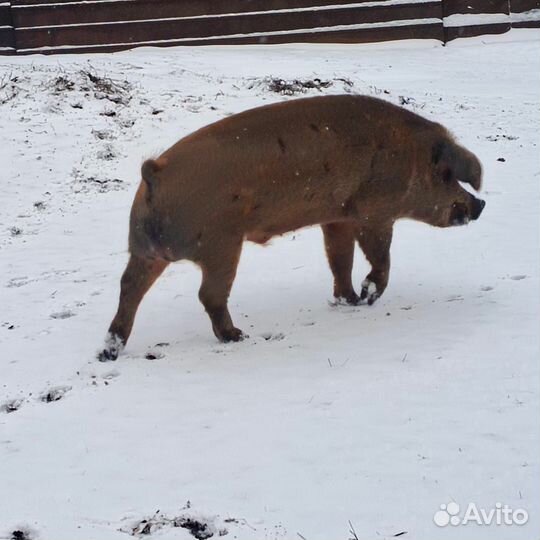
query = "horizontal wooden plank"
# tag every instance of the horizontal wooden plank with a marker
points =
(248, 3)
(454, 32)
(7, 37)
(24, 2)
(368, 35)
(217, 26)
(518, 6)
(450, 7)
(129, 10)
(5, 16)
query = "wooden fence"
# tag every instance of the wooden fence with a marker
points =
(71, 26)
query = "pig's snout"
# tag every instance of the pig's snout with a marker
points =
(462, 213)
(477, 207)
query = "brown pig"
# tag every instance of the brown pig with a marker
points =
(352, 164)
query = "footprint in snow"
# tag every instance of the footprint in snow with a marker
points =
(155, 353)
(11, 405)
(519, 277)
(65, 314)
(54, 394)
(269, 336)
(110, 375)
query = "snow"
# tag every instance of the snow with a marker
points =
(472, 19)
(329, 420)
(531, 15)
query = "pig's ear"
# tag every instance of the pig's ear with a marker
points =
(455, 162)
(442, 161)
(148, 172)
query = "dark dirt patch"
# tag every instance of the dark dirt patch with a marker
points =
(296, 86)
(196, 528)
(20, 534)
(199, 527)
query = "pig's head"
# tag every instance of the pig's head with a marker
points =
(439, 198)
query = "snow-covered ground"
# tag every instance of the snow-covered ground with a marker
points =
(329, 422)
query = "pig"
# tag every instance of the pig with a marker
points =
(352, 164)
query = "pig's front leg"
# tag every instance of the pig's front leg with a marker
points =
(375, 240)
(339, 244)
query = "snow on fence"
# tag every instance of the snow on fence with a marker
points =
(54, 26)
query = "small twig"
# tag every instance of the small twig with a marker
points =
(352, 531)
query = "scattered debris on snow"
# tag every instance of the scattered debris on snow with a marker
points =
(200, 527)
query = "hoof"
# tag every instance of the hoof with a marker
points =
(107, 355)
(113, 347)
(369, 292)
(234, 334)
(353, 299)
(350, 300)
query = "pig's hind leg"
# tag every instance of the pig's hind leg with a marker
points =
(375, 242)
(138, 277)
(339, 244)
(218, 267)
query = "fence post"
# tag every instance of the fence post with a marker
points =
(7, 32)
